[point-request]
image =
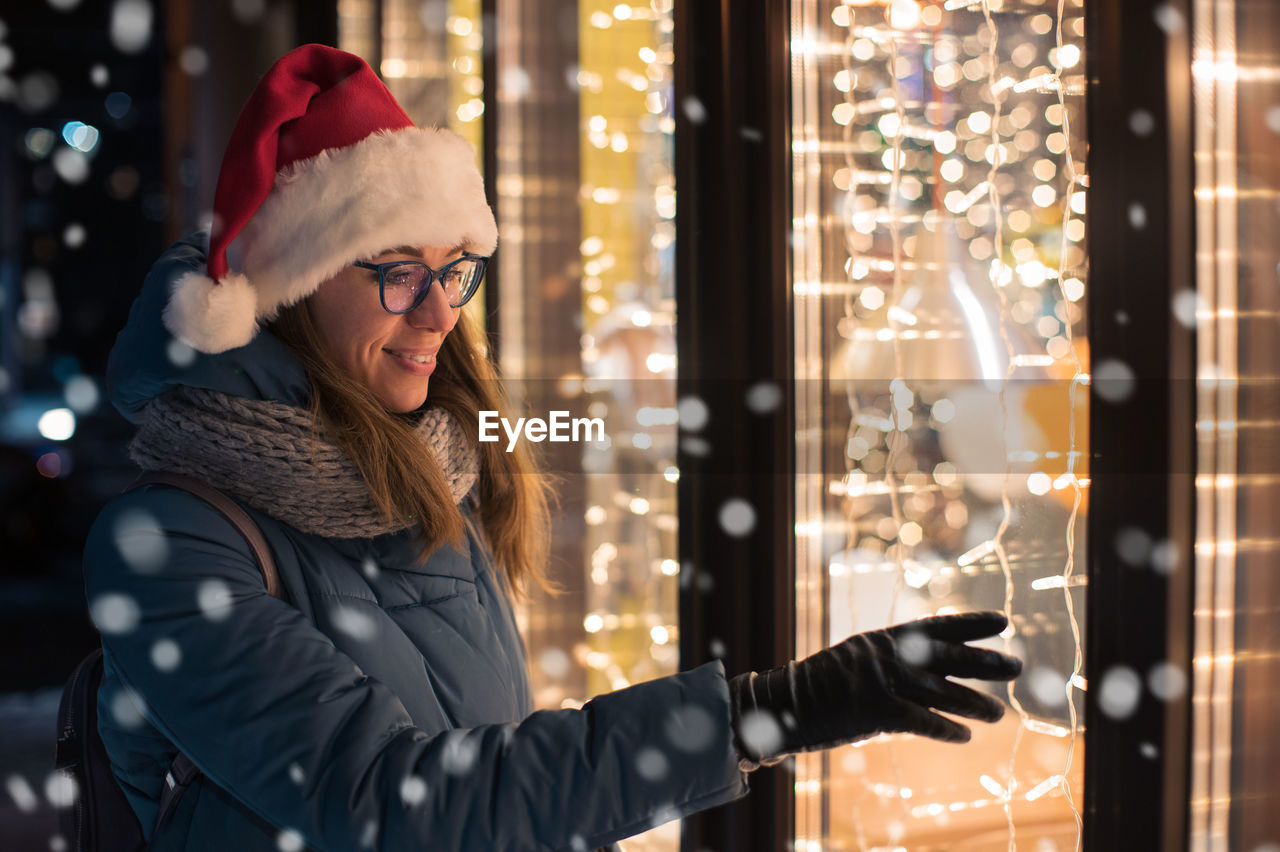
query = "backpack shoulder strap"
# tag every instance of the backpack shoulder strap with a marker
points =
(238, 517)
(182, 771)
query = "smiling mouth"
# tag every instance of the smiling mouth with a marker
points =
(417, 359)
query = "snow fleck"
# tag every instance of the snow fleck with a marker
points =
(695, 446)
(690, 728)
(126, 708)
(577, 844)
(99, 76)
(194, 60)
(289, 840)
(370, 835)
(248, 11)
(1120, 691)
(1133, 546)
(1113, 381)
(21, 793)
(60, 789)
(651, 764)
(760, 731)
(354, 623)
(37, 91)
(74, 235)
(1048, 686)
(663, 815)
(296, 775)
(166, 655)
(1141, 122)
(516, 83)
(1169, 19)
(114, 613)
(1164, 557)
(1273, 119)
(64, 5)
(131, 25)
(763, 397)
(57, 843)
(692, 413)
(1148, 750)
(554, 662)
(694, 110)
(914, 648)
(180, 354)
(1167, 681)
(140, 540)
(71, 164)
(718, 649)
(737, 517)
(1137, 216)
(413, 791)
(81, 394)
(214, 597)
(460, 753)
(370, 568)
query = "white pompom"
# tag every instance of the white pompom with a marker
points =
(212, 317)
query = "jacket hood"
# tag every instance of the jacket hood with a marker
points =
(147, 359)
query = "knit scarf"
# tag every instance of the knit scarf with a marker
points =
(267, 455)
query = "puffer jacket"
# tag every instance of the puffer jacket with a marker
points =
(384, 705)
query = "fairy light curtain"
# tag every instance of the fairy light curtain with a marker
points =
(942, 374)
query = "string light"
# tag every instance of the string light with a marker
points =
(978, 101)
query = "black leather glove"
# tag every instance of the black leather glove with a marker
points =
(883, 681)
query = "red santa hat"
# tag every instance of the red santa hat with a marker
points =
(323, 168)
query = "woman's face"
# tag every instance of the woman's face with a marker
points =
(385, 351)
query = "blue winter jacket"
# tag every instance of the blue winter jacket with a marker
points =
(384, 705)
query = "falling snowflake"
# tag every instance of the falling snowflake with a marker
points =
(140, 540)
(289, 840)
(914, 648)
(354, 623)
(737, 517)
(460, 753)
(166, 655)
(760, 731)
(114, 613)
(125, 708)
(690, 728)
(651, 764)
(214, 598)
(21, 793)
(60, 789)
(131, 25)
(413, 791)
(1119, 693)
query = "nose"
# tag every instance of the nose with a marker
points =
(434, 314)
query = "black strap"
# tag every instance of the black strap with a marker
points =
(182, 772)
(238, 517)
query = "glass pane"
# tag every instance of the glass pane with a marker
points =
(942, 372)
(586, 322)
(1235, 737)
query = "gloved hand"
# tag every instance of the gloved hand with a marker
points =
(883, 681)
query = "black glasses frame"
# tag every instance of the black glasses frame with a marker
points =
(433, 275)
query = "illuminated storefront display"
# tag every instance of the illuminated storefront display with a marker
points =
(942, 375)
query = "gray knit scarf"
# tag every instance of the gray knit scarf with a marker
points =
(266, 454)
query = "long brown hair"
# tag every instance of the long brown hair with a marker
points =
(405, 481)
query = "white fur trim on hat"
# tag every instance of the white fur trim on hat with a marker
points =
(413, 186)
(212, 317)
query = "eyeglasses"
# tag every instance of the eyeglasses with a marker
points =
(404, 284)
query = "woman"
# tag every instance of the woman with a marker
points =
(313, 362)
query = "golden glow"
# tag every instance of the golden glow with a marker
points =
(907, 186)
